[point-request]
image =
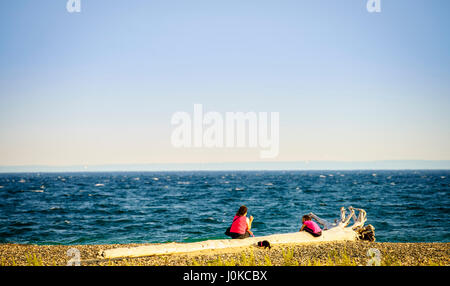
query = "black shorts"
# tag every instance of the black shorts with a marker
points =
(307, 229)
(239, 235)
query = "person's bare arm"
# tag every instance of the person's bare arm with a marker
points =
(303, 226)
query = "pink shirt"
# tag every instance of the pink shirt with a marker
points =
(239, 225)
(313, 226)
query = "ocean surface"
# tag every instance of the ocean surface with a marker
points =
(154, 207)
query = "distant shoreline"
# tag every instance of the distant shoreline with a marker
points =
(240, 166)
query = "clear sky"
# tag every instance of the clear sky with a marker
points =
(100, 86)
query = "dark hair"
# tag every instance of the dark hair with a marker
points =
(306, 217)
(242, 211)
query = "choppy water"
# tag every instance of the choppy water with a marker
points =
(124, 207)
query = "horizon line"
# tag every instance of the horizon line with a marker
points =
(306, 165)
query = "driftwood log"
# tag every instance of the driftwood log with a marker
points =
(337, 231)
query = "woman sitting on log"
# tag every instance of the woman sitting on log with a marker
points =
(240, 228)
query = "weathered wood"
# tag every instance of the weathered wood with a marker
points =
(333, 232)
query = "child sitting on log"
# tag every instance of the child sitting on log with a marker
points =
(310, 226)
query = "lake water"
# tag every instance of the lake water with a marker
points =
(138, 207)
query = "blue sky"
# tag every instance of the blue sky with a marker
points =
(100, 86)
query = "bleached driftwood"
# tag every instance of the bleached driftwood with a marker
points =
(337, 231)
(345, 219)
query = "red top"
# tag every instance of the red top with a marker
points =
(313, 226)
(239, 225)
